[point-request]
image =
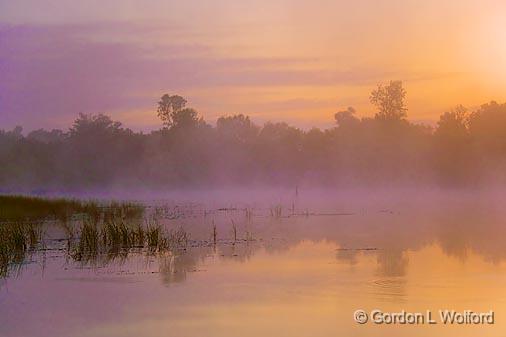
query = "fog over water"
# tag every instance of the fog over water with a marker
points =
(251, 168)
(321, 258)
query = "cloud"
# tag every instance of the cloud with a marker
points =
(49, 73)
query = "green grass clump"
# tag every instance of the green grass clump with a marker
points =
(16, 207)
(178, 239)
(276, 211)
(26, 208)
(16, 239)
(94, 231)
(120, 234)
(114, 237)
(154, 236)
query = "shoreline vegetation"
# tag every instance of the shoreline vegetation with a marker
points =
(465, 149)
(97, 234)
(94, 233)
(28, 208)
(91, 230)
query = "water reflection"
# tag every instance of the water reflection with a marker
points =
(391, 263)
(312, 271)
(176, 267)
(387, 236)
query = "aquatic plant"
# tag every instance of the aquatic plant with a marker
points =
(118, 236)
(17, 208)
(215, 233)
(248, 213)
(248, 237)
(276, 211)
(178, 238)
(88, 241)
(234, 230)
(94, 232)
(154, 236)
(121, 234)
(16, 239)
(27, 208)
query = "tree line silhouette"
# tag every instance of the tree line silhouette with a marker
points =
(463, 149)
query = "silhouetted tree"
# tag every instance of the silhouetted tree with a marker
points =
(98, 147)
(389, 100)
(346, 117)
(15, 134)
(174, 114)
(452, 147)
(236, 128)
(90, 126)
(43, 136)
(99, 152)
(487, 127)
(280, 151)
(453, 124)
(186, 118)
(169, 107)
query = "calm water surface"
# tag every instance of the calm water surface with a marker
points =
(295, 275)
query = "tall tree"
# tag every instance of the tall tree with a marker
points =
(452, 147)
(346, 117)
(169, 108)
(390, 101)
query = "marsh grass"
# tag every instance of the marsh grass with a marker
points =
(276, 211)
(16, 240)
(26, 208)
(95, 233)
(118, 237)
(215, 233)
(248, 213)
(234, 230)
(154, 236)
(248, 236)
(178, 239)
(104, 228)
(17, 208)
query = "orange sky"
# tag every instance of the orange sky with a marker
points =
(298, 61)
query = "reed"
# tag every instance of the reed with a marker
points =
(179, 238)
(234, 230)
(88, 242)
(215, 233)
(248, 213)
(120, 234)
(17, 208)
(27, 208)
(94, 231)
(248, 236)
(154, 236)
(116, 235)
(276, 211)
(16, 239)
